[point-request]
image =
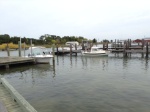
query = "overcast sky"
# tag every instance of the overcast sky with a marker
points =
(100, 19)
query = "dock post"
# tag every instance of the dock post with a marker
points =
(83, 48)
(7, 47)
(120, 44)
(107, 45)
(57, 49)
(103, 46)
(146, 49)
(53, 54)
(71, 49)
(115, 44)
(142, 47)
(76, 49)
(31, 46)
(130, 47)
(24, 49)
(19, 46)
(125, 47)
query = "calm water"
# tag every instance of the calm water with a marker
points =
(79, 84)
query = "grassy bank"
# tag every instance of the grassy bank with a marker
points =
(12, 46)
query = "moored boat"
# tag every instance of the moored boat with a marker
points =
(95, 51)
(39, 55)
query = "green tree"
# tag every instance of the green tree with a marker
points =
(94, 40)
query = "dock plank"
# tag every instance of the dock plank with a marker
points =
(2, 107)
(13, 60)
(8, 102)
(8, 61)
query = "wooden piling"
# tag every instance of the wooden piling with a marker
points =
(76, 49)
(107, 46)
(24, 49)
(57, 49)
(19, 46)
(83, 48)
(103, 45)
(53, 49)
(142, 48)
(147, 49)
(125, 47)
(115, 44)
(31, 46)
(8, 52)
(70, 49)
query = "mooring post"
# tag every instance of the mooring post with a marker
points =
(115, 44)
(125, 48)
(76, 49)
(70, 49)
(31, 46)
(91, 44)
(8, 52)
(130, 43)
(53, 49)
(103, 46)
(57, 49)
(142, 43)
(130, 46)
(142, 47)
(24, 49)
(107, 45)
(146, 49)
(120, 44)
(83, 45)
(19, 48)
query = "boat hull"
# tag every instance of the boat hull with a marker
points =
(94, 54)
(44, 60)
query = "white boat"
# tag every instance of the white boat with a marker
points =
(39, 55)
(95, 51)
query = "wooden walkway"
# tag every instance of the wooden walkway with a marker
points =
(7, 61)
(11, 100)
(7, 101)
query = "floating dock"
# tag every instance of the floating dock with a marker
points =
(11, 100)
(8, 61)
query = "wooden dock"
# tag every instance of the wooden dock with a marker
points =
(11, 100)
(7, 61)
(6, 102)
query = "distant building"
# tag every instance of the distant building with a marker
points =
(147, 39)
(140, 40)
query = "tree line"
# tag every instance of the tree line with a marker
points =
(44, 39)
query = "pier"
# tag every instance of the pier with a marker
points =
(6, 102)
(8, 61)
(70, 50)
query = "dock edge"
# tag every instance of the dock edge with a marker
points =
(17, 97)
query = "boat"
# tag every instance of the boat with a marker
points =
(95, 51)
(39, 54)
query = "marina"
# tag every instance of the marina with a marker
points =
(74, 56)
(80, 83)
(85, 84)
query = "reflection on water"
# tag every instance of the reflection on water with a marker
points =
(85, 84)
